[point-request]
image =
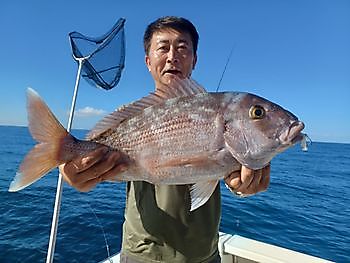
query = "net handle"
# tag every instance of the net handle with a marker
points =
(56, 212)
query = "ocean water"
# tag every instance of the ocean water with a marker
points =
(306, 208)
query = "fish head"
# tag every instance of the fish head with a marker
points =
(257, 129)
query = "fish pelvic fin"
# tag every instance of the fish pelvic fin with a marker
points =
(201, 192)
(177, 88)
(50, 134)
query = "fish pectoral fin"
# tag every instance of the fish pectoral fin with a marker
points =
(201, 192)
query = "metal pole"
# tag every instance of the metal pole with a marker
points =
(56, 212)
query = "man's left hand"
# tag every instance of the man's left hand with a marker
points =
(248, 182)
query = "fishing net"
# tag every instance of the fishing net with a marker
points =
(103, 57)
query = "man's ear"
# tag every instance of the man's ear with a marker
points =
(148, 62)
(194, 61)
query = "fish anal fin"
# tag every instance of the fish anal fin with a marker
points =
(201, 192)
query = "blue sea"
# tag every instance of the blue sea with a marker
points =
(306, 208)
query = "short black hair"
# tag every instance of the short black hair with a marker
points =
(179, 24)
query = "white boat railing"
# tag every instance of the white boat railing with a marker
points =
(238, 249)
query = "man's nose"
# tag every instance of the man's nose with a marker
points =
(173, 55)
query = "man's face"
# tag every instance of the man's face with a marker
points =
(170, 54)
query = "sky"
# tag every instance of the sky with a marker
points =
(295, 53)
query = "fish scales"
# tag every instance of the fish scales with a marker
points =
(174, 132)
(165, 123)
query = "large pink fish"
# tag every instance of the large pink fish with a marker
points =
(178, 135)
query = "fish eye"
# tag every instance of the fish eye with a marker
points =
(256, 112)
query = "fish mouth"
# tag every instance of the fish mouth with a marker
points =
(293, 134)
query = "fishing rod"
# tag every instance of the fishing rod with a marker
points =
(227, 61)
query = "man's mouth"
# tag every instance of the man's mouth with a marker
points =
(173, 72)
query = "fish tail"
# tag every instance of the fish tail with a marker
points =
(50, 135)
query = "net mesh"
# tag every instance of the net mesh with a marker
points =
(104, 56)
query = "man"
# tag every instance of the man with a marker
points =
(158, 225)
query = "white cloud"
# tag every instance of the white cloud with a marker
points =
(89, 112)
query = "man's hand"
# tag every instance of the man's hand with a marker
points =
(248, 181)
(83, 173)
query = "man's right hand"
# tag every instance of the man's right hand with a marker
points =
(84, 173)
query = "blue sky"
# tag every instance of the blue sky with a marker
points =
(295, 53)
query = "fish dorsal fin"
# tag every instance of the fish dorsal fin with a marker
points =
(177, 88)
(181, 88)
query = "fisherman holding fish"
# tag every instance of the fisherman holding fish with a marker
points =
(172, 148)
(158, 226)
